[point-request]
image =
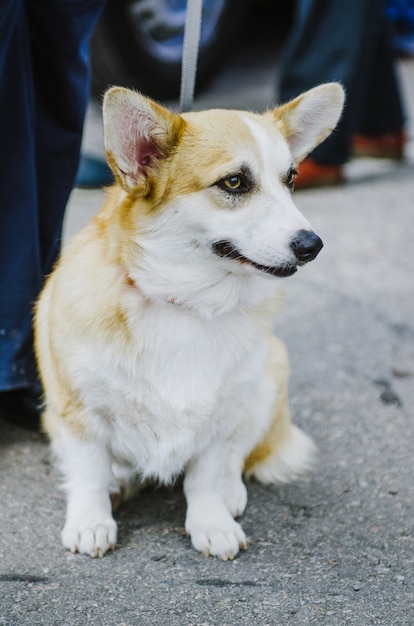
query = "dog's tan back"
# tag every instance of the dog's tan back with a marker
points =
(154, 332)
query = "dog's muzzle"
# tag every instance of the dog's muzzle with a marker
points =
(306, 246)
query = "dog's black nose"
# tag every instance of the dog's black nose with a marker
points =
(306, 245)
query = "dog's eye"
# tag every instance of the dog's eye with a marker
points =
(236, 183)
(290, 178)
(232, 183)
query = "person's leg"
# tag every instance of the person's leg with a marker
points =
(380, 129)
(20, 267)
(44, 81)
(382, 111)
(332, 42)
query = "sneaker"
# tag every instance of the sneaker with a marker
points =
(313, 174)
(388, 146)
(93, 173)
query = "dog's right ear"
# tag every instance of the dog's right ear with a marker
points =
(138, 133)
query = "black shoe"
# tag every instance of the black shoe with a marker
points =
(21, 407)
(93, 173)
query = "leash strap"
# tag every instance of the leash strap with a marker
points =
(192, 30)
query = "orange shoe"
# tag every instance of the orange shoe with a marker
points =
(313, 174)
(389, 146)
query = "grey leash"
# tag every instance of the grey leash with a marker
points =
(191, 43)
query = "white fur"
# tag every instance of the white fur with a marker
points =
(188, 378)
(89, 525)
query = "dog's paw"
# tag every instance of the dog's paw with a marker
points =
(236, 497)
(215, 533)
(94, 538)
(222, 541)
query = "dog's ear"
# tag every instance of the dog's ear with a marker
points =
(308, 119)
(138, 133)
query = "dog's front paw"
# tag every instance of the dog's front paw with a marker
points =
(94, 538)
(215, 533)
(222, 542)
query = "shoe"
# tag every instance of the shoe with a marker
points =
(313, 174)
(388, 146)
(93, 173)
(21, 407)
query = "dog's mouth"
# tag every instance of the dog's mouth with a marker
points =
(226, 250)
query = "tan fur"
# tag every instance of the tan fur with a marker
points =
(154, 349)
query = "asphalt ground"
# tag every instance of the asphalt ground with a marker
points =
(334, 549)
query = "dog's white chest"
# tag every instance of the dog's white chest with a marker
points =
(179, 387)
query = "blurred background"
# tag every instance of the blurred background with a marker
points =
(138, 43)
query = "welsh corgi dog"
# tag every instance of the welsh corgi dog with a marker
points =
(154, 332)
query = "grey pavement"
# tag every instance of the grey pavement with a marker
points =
(335, 549)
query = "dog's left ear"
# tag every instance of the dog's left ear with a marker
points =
(308, 119)
(138, 133)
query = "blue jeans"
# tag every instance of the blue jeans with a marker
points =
(44, 91)
(351, 43)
